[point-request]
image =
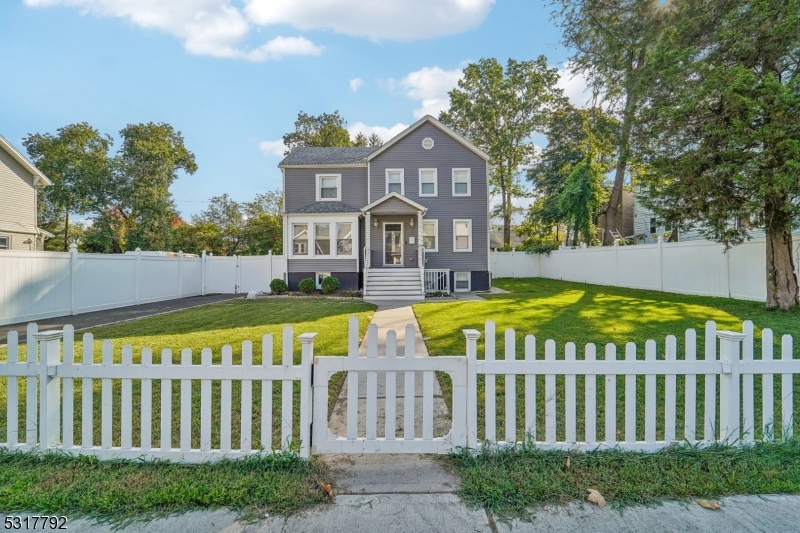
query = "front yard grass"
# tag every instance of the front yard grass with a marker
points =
(584, 313)
(122, 491)
(211, 326)
(511, 482)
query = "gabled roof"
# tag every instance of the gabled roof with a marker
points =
(427, 119)
(325, 208)
(327, 156)
(22, 160)
(391, 195)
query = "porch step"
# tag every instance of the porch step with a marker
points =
(394, 284)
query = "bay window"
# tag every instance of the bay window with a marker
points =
(300, 239)
(322, 239)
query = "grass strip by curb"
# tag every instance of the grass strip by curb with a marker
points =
(510, 481)
(124, 491)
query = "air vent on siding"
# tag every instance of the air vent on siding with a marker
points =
(427, 143)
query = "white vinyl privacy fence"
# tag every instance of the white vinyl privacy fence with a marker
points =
(729, 389)
(37, 285)
(693, 267)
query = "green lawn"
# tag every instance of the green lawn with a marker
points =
(511, 482)
(212, 326)
(584, 313)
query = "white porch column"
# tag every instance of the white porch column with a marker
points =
(420, 250)
(367, 250)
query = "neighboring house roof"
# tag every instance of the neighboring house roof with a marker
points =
(22, 160)
(496, 238)
(391, 195)
(325, 208)
(319, 156)
(425, 120)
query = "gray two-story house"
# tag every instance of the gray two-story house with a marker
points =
(397, 221)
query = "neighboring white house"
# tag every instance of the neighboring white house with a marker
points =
(19, 183)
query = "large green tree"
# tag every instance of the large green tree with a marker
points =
(76, 161)
(723, 131)
(611, 42)
(499, 110)
(327, 129)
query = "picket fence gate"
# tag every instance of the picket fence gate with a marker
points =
(730, 373)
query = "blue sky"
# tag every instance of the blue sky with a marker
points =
(231, 75)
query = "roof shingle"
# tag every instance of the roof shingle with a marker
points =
(325, 208)
(313, 155)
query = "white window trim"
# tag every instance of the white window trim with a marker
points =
(455, 282)
(338, 188)
(469, 181)
(333, 221)
(335, 238)
(317, 280)
(9, 241)
(402, 172)
(435, 231)
(456, 221)
(435, 181)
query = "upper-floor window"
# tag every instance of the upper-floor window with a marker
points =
(344, 238)
(462, 182)
(462, 235)
(300, 239)
(329, 187)
(5, 243)
(427, 182)
(430, 235)
(394, 180)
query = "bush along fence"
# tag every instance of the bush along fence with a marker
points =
(731, 394)
(37, 285)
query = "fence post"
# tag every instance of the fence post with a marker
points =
(472, 336)
(49, 388)
(180, 274)
(616, 262)
(270, 278)
(138, 266)
(585, 264)
(661, 263)
(236, 260)
(73, 259)
(203, 274)
(729, 347)
(307, 367)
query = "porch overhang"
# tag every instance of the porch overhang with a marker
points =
(394, 204)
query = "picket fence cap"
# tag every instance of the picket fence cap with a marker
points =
(731, 335)
(53, 334)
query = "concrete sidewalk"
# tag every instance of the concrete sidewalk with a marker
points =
(446, 513)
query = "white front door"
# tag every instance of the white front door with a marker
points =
(393, 244)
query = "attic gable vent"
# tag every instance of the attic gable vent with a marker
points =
(427, 143)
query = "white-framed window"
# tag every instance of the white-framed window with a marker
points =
(428, 182)
(395, 178)
(5, 242)
(322, 239)
(344, 238)
(462, 182)
(462, 235)
(462, 283)
(430, 235)
(320, 276)
(300, 239)
(329, 187)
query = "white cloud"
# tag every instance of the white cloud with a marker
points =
(383, 133)
(355, 84)
(272, 147)
(206, 27)
(575, 86)
(405, 20)
(429, 86)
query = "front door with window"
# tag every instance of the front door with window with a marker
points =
(393, 245)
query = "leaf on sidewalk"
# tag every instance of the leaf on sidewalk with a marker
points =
(596, 497)
(708, 504)
(326, 487)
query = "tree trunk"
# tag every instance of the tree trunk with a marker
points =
(506, 220)
(66, 230)
(622, 166)
(781, 277)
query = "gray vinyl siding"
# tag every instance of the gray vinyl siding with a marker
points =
(409, 250)
(393, 206)
(323, 265)
(446, 154)
(301, 186)
(17, 203)
(641, 225)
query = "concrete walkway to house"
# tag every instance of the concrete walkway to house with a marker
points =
(113, 316)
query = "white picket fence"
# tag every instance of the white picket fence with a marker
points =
(37, 285)
(693, 267)
(52, 426)
(730, 371)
